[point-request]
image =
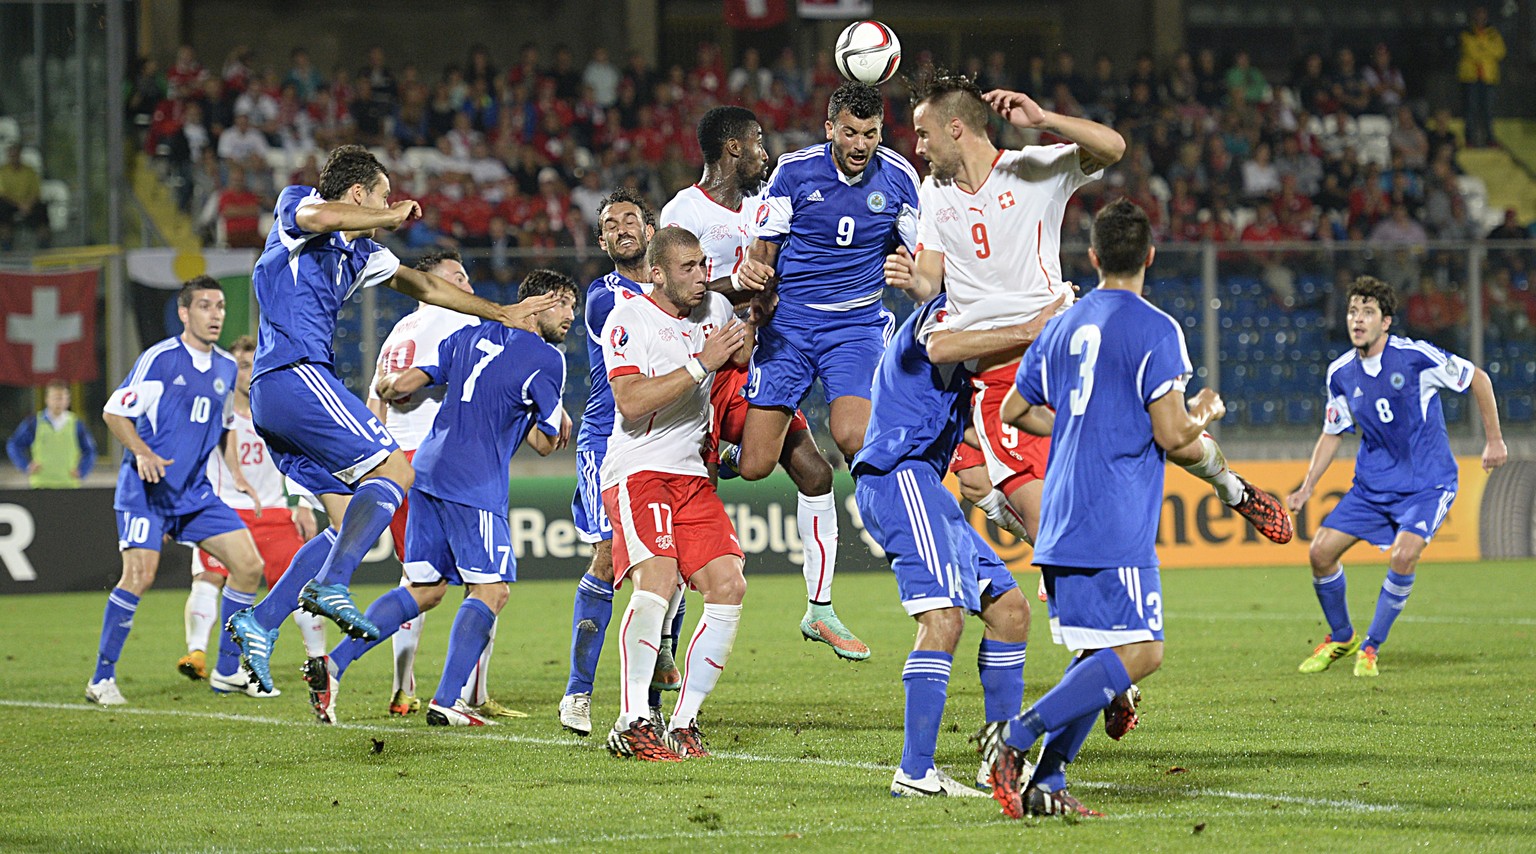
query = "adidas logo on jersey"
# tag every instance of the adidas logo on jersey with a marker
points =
(1357, 392)
(180, 380)
(1421, 526)
(815, 196)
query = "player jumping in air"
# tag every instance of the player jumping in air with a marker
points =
(1113, 370)
(720, 210)
(246, 479)
(1387, 387)
(504, 385)
(169, 413)
(319, 253)
(414, 340)
(660, 351)
(944, 569)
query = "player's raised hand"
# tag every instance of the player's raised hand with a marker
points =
(1494, 454)
(520, 315)
(151, 466)
(752, 275)
(1298, 499)
(1017, 108)
(1207, 406)
(900, 268)
(723, 344)
(405, 211)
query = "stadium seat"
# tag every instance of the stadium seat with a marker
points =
(1521, 408)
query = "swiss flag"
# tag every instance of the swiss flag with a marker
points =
(49, 328)
(755, 14)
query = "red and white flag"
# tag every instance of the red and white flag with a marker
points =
(47, 327)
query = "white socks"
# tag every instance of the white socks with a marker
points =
(200, 613)
(1002, 514)
(406, 640)
(707, 654)
(1212, 468)
(312, 630)
(817, 517)
(639, 640)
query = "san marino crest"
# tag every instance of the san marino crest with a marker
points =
(218, 385)
(1397, 381)
(876, 201)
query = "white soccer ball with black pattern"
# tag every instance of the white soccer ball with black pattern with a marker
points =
(868, 52)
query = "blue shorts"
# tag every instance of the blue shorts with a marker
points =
(790, 356)
(319, 433)
(141, 528)
(463, 544)
(592, 525)
(1104, 608)
(939, 559)
(1378, 522)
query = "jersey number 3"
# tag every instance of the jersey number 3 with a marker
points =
(1084, 343)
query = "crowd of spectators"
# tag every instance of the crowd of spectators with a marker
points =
(502, 158)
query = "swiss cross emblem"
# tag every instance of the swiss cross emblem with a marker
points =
(1006, 200)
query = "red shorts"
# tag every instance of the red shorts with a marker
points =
(397, 522)
(277, 540)
(1012, 457)
(731, 411)
(655, 514)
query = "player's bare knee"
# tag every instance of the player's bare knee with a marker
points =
(213, 578)
(974, 483)
(493, 595)
(1322, 559)
(428, 596)
(756, 466)
(1007, 617)
(940, 630)
(601, 567)
(810, 472)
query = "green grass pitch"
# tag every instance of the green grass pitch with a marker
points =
(1236, 751)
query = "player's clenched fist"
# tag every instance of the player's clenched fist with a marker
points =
(900, 268)
(723, 344)
(752, 275)
(405, 211)
(1207, 406)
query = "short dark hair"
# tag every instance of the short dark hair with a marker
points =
(544, 281)
(348, 165)
(861, 100)
(195, 284)
(1370, 287)
(956, 95)
(662, 244)
(1122, 234)
(243, 344)
(53, 384)
(626, 195)
(428, 262)
(721, 124)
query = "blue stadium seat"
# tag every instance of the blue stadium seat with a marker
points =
(1263, 413)
(1521, 408)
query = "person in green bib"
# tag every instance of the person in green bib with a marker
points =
(53, 446)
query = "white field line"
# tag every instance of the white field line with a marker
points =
(1244, 616)
(1293, 800)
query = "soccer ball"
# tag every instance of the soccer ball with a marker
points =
(868, 52)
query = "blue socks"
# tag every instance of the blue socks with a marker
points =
(1002, 678)
(1085, 690)
(373, 504)
(116, 622)
(1394, 595)
(589, 625)
(228, 663)
(1330, 594)
(926, 680)
(1061, 747)
(283, 598)
(466, 640)
(387, 612)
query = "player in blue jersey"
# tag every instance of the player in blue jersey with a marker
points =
(626, 224)
(943, 567)
(503, 386)
(1113, 369)
(169, 414)
(1387, 387)
(830, 215)
(320, 252)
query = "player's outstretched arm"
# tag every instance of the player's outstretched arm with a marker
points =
(1034, 420)
(1100, 145)
(1176, 423)
(151, 465)
(433, 290)
(1495, 454)
(400, 384)
(637, 396)
(1322, 457)
(922, 277)
(949, 346)
(326, 217)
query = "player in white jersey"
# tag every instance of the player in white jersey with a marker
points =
(719, 210)
(660, 350)
(989, 234)
(246, 479)
(413, 342)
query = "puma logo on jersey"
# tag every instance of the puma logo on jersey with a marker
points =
(815, 196)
